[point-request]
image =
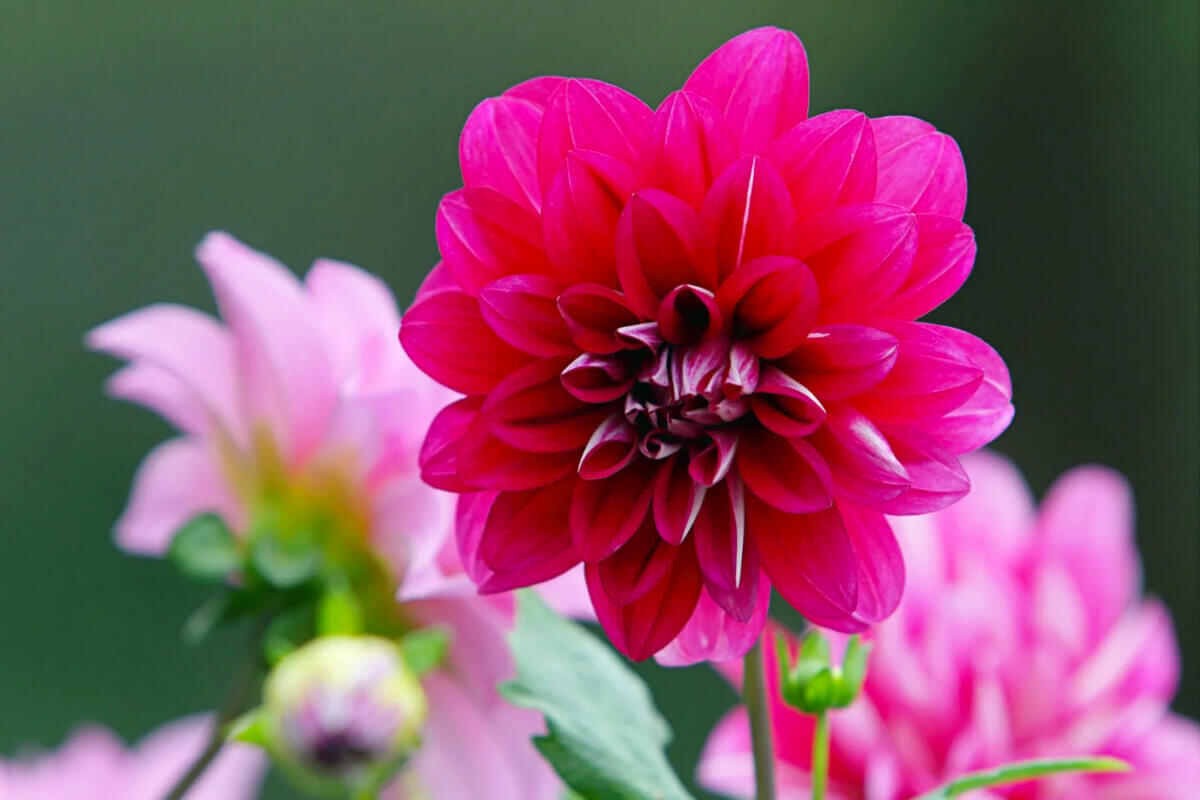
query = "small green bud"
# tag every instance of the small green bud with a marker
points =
(814, 684)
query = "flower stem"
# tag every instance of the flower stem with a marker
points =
(820, 756)
(754, 694)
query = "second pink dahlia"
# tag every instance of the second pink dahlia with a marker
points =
(687, 343)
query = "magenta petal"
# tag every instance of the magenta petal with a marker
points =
(710, 464)
(656, 249)
(530, 410)
(687, 147)
(523, 311)
(585, 114)
(721, 535)
(483, 235)
(579, 219)
(498, 147)
(988, 412)
(593, 314)
(759, 82)
(637, 566)
(445, 335)
(772, 303)
(439, 279)
(863, 465)
(486, 462)
(597, 379)
(714, 635)
(535, 90)
(880, 564)
(827, 160)
(747, 214)
(470, 518)
(785, 406)
(788, 474)
(439, 452)
(677, 499)
(860, 254)
(945, 255)
(938, 479)
(840, 361)
(612, 447)
(524, 541)
(919, 168)
(689, 313)
(605, 513)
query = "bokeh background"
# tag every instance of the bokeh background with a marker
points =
(128, 128)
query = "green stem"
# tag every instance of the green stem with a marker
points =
(820, 756)
(754, 694)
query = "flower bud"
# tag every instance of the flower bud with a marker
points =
(814, 684)
(343, 709)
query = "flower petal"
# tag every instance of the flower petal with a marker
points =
(919, 168)
(785, 406)
(840, 361)
(938, 479)
(688, 146)
(721, 536)
(747, 214)
(486, 462)
(689, 313)
(523, 311)
(531, 410)
(524, 540)
(597, 379)
(880, 564)
(605, 513)
(656, 249)
(483, 235)
(827, 160)
(677, 499)
(771, 303)
(988, 412)
(788, 474)
(593, 314)
(863, 465)
(439, 452)
(710, 464)
(945, 255)
(585, 114)
(498, 147)
(714, 635)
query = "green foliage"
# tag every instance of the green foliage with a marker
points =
(424, 649)
(1021, 771)
(284, 565)
(204, 549)
(604, 736)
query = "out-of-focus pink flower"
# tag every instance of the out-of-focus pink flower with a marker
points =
(1021, 635)
(687, 343)
(96, 765)
(299, 402)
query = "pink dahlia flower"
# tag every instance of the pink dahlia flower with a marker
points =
(96, 765)
(299, 402)
(687, 343)
(1021, 635)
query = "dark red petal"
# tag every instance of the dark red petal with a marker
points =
(747, 214)
(759, 82)
(840, 361)
(687, 147)
(638, 565)
(498, 147)
(579, 219)
(597, 379)
(641, 628)
(470, 516)
(525, 540)
(862, 462)
(860, 253)
(938, 479)
(585, 114)
(445, 335)
(531, 410)
(880, 566)
(485, 462)
(593, 314)
(919, 168)
(677, 499)
(931, 377)
(945, 255)
(439, 452)
(827, 160)
(789, 474)
(720, 535)
(710, 464)
(611, 448)
(771, 302)
(606, 513)
(785, 406)
(689, 313)
(523, 311)
(656, 249)
(483, 235)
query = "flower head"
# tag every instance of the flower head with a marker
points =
(687, 342)
(95, 764)
(1021, 635)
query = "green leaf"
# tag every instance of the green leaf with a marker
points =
(604, 736)
(288, 631)
(1021, 771)
(204, 549)
(206, 619)
(284, 565)
(424, 649)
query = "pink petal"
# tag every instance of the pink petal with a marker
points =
(840, 361)
(483, 235)
(771, 303)
(597, 379)
(530, 410)
(880, 564)
(656, 249)
(158, 390)
(446, 336)
(938, 479)
(579, 220)
(524, 540)
(709, 465)
(537, 91)
(486, 462)
(747, 214)
(677, 499)
(945, 255)
(153, 766)
(593, 314)
(860, 253)
(439, 279)
(713, 635)
(759, 82)
(688, 146)
(919, 168)
(177, 480)
(996, 518)
(604, 514)
(788, 474)
(587, 114)
(827, 160)
(439, 452)
(471, 518)
(689, 313)
(864, 467)
(989, 411)
(523, 311)
(612, 447)
(1137, 660)
(785, 406)
(498, 147)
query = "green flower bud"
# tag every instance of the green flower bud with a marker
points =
(814, 684)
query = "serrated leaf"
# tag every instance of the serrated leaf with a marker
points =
(284, 565)
(204, 549)
(604, 736)
(1021, 771)
(424, 649)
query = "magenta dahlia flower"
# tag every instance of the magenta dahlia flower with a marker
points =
(687, 343)
(1021, 635)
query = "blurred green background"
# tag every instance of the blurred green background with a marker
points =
(129, 128)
